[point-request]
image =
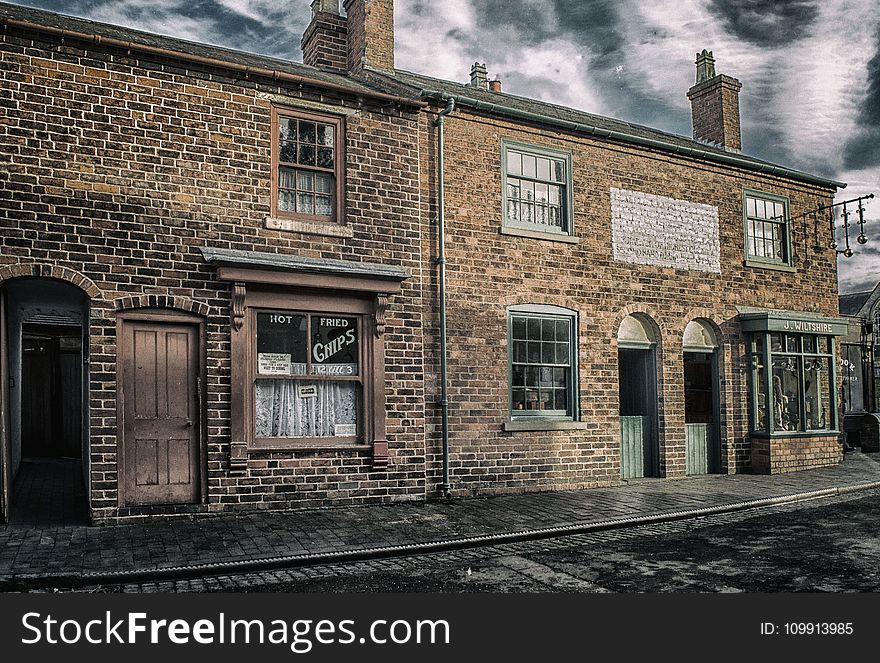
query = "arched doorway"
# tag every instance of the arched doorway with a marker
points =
(637, 370)
(45, 441)
(701, 398)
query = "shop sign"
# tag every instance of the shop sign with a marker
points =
(272, 363)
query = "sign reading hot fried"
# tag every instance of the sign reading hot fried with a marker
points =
(334, 346)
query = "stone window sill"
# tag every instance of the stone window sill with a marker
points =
(537, 234)
(539, 424)
(775, 266)
(811, 434)
(308, 446)
(327, 229)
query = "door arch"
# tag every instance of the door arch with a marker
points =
(637, 378)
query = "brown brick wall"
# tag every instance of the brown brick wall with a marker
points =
(715, 111)
(488, 271)
(325, 42)
(791, 454)
(370, 34)
(116, 168)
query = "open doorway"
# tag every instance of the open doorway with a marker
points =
(637, 372)
(46, 442)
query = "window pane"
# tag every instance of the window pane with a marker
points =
(761, 209)
(297, 408)
(534, 355)
(518, 376)
(286, 178)
(305, 180)
(791, 343)
(543, 169)
(325, 157)
(760, 395)
(541, 215)
(324, 183)
(519, 328)
(775, 342)
(548, 329)
(334, 345)
(548, 353)
(326, 135)
(518, 399)
(562, 327)
(514, 163)
(750, 207)
(512, 189)
(534, 328)
(519, 351)
(554, 195)
(529, 165)
(778, 211)
(542, 192)
(559, 175)
(809, 344)
(288, 152)
(307, 155)
(786, 394)
(817, 393)
(305, 203)
(281, 343)
(307, 132)
(527, 212)
(287, 127)
(324, 205)
(512, 210)
(287, 201)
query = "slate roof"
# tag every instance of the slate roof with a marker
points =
(851, 303)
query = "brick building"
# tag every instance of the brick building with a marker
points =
(232, 282)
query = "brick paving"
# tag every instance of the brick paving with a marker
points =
(71, 552)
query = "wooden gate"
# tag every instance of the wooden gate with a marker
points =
(635, 431)
(159, 375)
(699, 437)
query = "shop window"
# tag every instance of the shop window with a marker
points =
(792, 383)
(767, 231)
(542, 362)
(307, 382)
(307, 166)
(537, 188)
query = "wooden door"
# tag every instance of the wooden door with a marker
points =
(159, 448)
(638, 413)
(701, 412)
(5, 450)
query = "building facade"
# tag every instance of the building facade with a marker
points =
(232, 282)
(860, 368)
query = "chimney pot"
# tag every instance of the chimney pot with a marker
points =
(479, 75)
(495, 85)
(705, 66)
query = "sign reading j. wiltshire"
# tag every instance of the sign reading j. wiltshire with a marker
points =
(664, 232)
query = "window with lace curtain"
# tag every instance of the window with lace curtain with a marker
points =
(306, 162)
(308, 380)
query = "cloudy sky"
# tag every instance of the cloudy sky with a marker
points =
(810, 68)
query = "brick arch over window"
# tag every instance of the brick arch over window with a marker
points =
(42, 270)
(705, 315)
(161, 301)
(644, 313)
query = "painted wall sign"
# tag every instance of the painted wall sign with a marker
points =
(778, 323)
(272, 363)
(664, 232)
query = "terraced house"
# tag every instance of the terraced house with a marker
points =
(235, 282)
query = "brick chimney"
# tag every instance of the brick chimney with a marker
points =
(495, 85)
(370, 34)
(715, 105)
(325, 41)
(479, 76)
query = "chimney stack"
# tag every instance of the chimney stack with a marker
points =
(495, 85)
(370, 34)
(715, 105)
(479, 76)
(325, 41)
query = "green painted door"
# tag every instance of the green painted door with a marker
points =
(702, 449)
(638, 413)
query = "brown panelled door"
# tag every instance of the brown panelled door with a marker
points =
(159, 365)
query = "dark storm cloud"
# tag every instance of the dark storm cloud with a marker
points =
(863, 149)
(764, 23)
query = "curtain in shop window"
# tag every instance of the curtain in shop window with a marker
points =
(291, 408)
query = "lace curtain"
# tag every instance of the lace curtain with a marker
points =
(282, 412)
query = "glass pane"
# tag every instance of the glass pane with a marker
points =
(514, 163)
(287, 128)
(288, 152)
(559, 377)
(519, 328)
(554, 195)
(543, 169)
(527, 212)
(529, 165)
(527, 190)
(305, 181)
(786, 394)
(761, 397)
(546, 399)
(809, 343)
(326, 135)
(306, 131)
(817, 393)
(512, 189)
(512, 210)
(761, 209)
(548, 329)
(562, 354)
(324, 205)
(534, 328)
(281, 343)
(307, 155)
(562, 328)
(561, 400)
(325, 157)
(532, 375)
(548, 353)
(324, 183)
(518, 398)
(519, 351)
(286, 178)
(334, 345)
(534, 355)
(750, 207)
(294, 408)
(778, 211)
(759, 343)
(791, 343)
(542, 192)
(775, 342)
(305, 203)
(559, 174)
(541, 215)
(555, 218)
(518, 376)
(287, 201)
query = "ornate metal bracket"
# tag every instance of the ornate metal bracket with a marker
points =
(379, 314)
(238, 292)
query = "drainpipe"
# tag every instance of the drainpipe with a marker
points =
(441, 262)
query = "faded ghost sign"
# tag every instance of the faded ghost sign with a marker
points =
(664, 232)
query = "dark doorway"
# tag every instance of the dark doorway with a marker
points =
(701, 413)
(51, 392)
(638, 413)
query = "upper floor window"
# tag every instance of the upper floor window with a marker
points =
(537, 188)
(768, 237)
(306, 159)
